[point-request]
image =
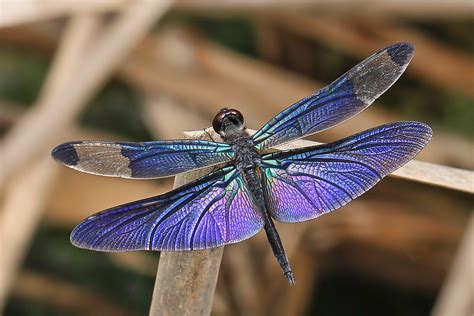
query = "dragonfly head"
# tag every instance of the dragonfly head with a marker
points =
(228, 120)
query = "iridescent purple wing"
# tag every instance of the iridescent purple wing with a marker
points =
(344, 98)
(212, 211)
(141, 160)
(305, 183)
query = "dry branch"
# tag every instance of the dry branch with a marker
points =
(168, 118)
(457, 294)
(20, 217)
(23, 202)
(28, 11)
(31, 134)
(34, 286)
(417, 9)
(434, 62)
(186, 280)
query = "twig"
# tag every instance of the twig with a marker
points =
(27, 11)
(419, 9)
(457, 295)
(186, 280)
(433, 174)
(19, 212)
(47, 289)
(24, 201)
(435, 62)
(31, 134)
(161, 115)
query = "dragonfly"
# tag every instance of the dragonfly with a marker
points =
(254, 184)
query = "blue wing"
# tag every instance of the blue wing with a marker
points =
(212, 211)
(306, 183)
(344, 98)
(141, 160)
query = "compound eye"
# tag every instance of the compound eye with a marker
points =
(218, 120)
(226, 117)
(237, 115)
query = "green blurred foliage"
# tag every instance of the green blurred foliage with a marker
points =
(115, 105)
(52, 254)
(352, 293)
(21, 74)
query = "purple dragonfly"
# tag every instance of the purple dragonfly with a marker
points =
(253, 187)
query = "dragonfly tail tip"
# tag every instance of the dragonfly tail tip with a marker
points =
(289, 276)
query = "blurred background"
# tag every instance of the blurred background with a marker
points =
(145, 70)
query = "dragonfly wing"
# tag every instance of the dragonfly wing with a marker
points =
(344, 98)
(141, 160)
(305, 183)
(212, 211)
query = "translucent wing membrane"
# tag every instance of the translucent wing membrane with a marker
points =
(213, 211)
(141, 160)
(308, 182)
(344, 98)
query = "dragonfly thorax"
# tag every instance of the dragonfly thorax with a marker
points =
(246, 155)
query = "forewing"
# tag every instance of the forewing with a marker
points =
(308, 182)
(348, 95)
(141, 160)
(213, 211)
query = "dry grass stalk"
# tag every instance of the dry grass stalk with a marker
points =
(28, 138)
(33, 286)
(439, 65)
(186, 280)
(31, 11)
(457, 294)
(23, 202)
(20, 217)
(416, 9)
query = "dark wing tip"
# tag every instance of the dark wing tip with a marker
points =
(401, 53)
(66, 154)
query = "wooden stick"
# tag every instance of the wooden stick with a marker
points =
(65, 295)
(438, 175)
(167, 118)
(186, 280)
(27, 11)
(24, 201)
(419, 9)
(434, 62)
(31, 134)
(20, 217)
(456, 296)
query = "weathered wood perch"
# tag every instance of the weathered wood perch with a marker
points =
(186, 280)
